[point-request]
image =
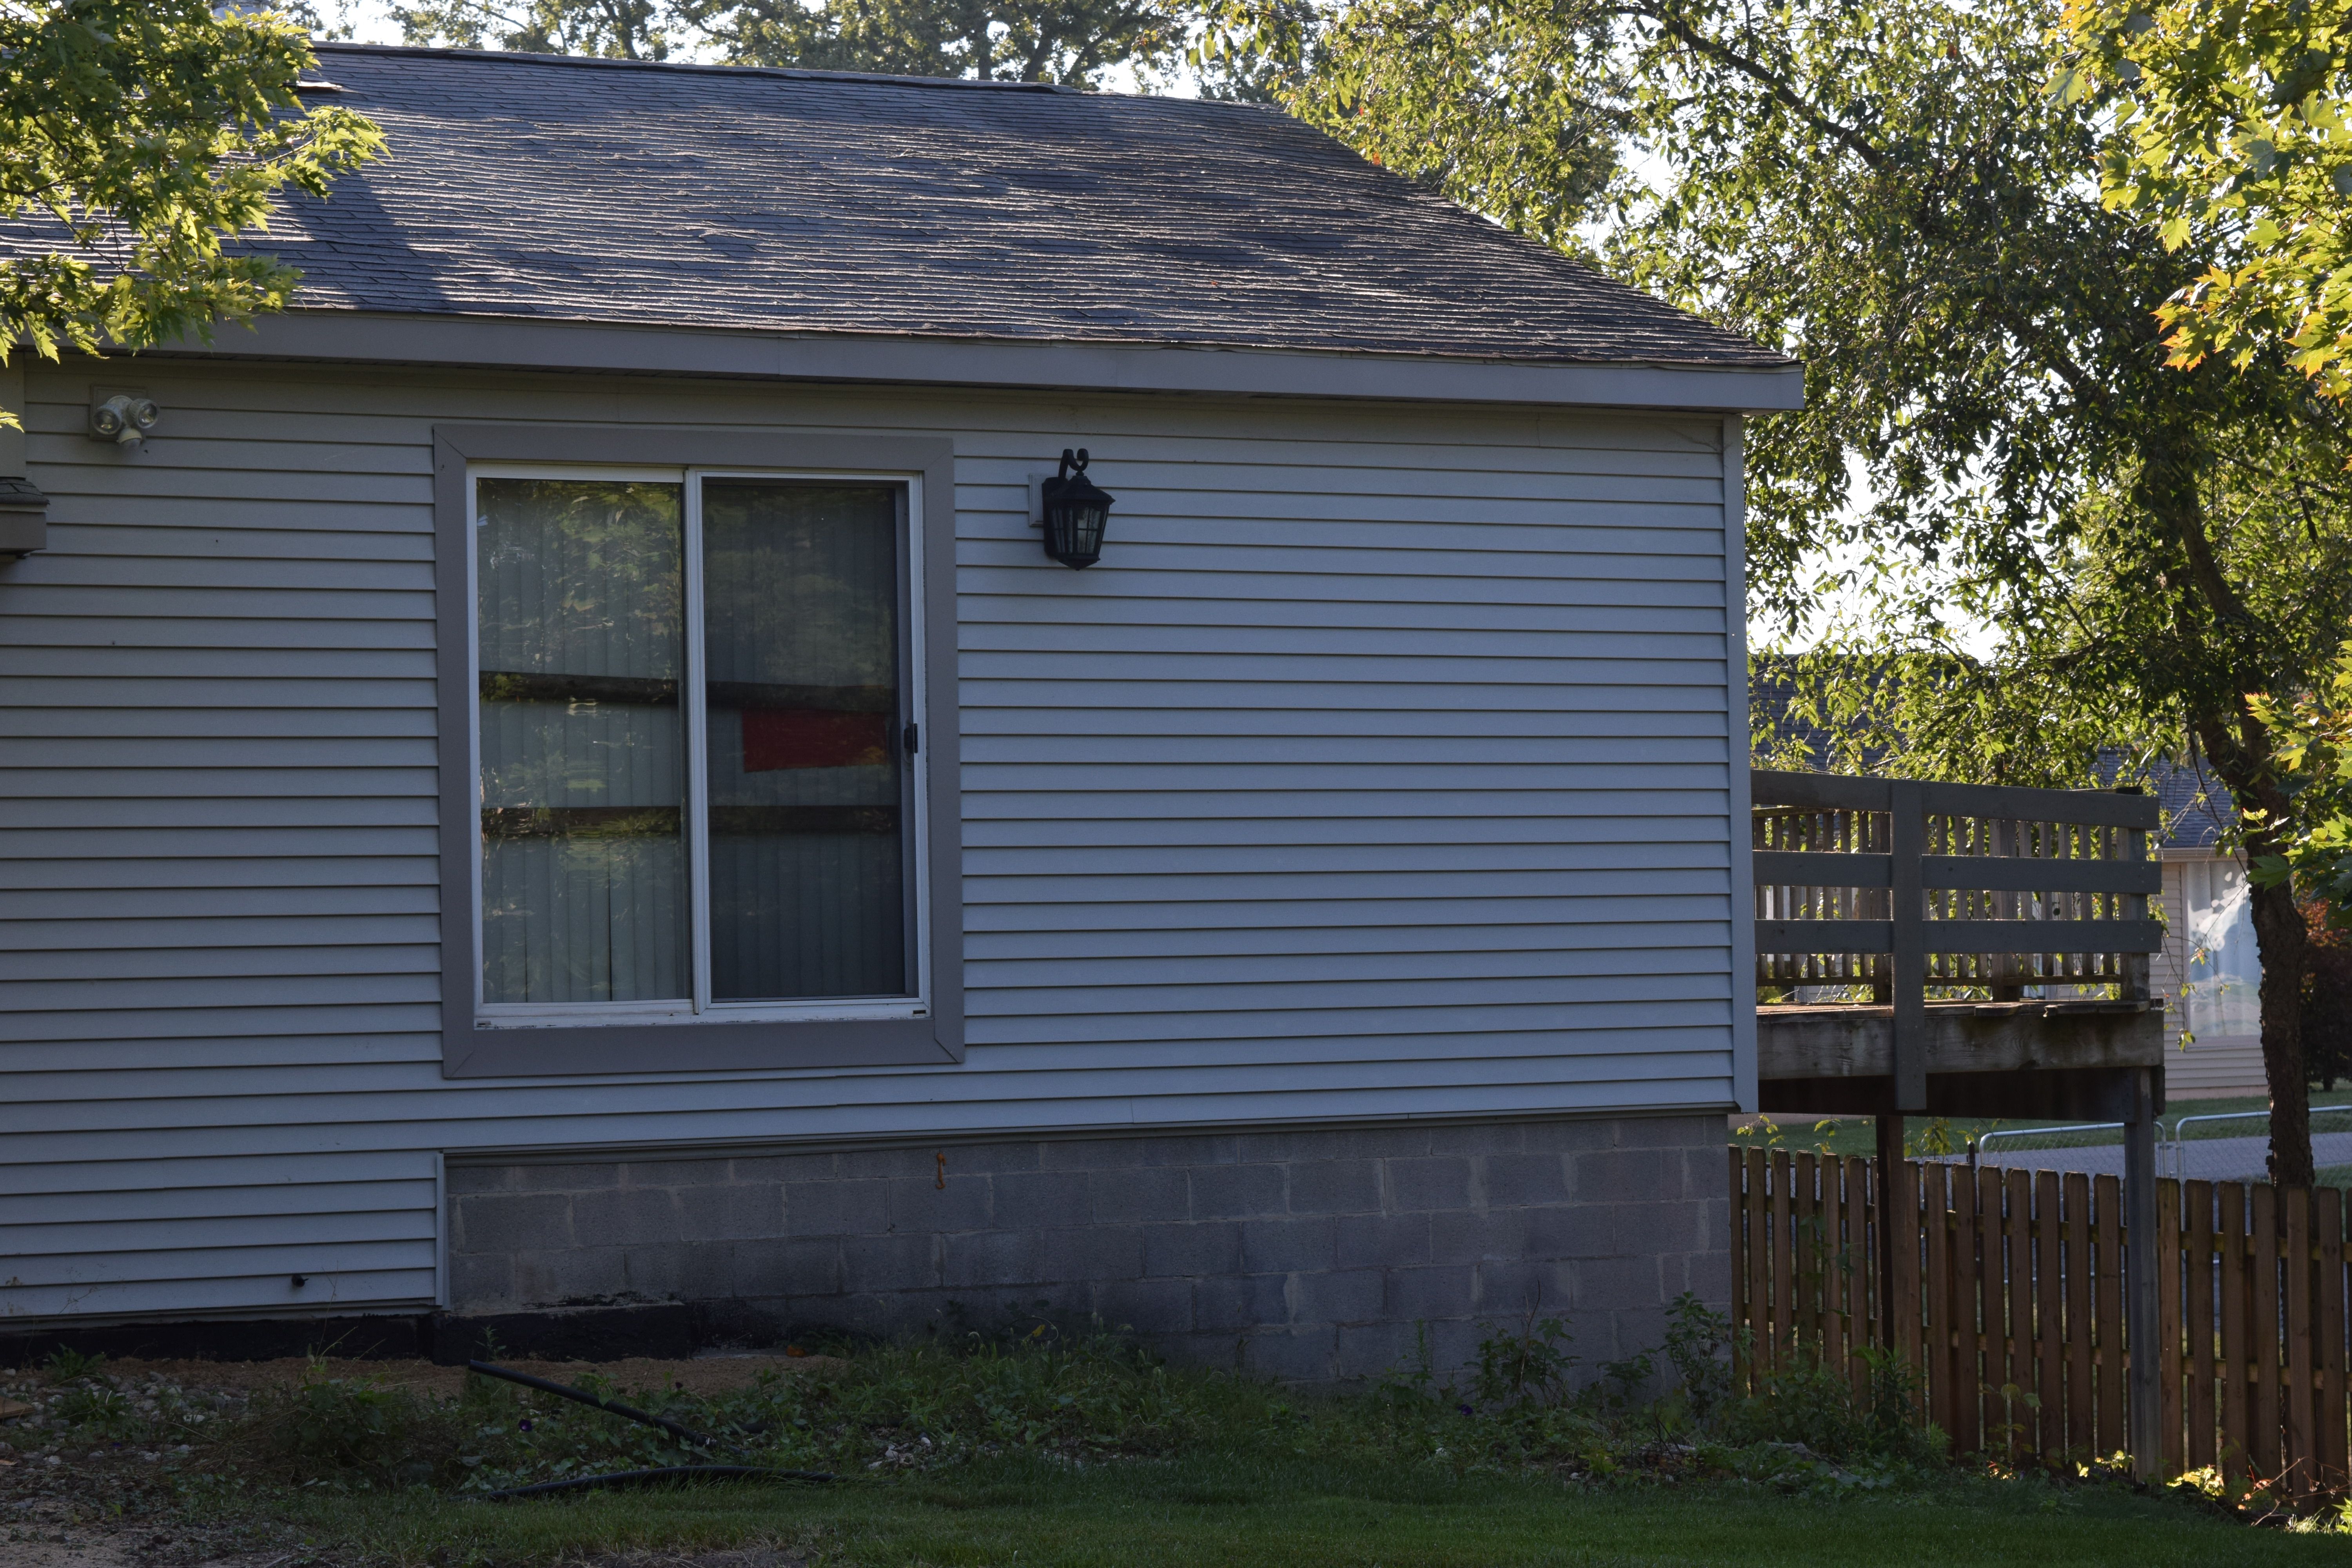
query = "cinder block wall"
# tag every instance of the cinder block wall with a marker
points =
(1310, 1255)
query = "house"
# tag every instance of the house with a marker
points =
(2210, 971)
(556, 785)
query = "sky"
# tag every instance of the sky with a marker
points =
(369, 20)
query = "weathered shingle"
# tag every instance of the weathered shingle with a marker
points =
(610, 192)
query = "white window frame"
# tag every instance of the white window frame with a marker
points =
(915, 815)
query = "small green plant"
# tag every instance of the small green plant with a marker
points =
(1806, 1401)
(1931, 1137)
(95, 1404)
(66, 1364)
(1698, 1338)
(1530, 1366)
(351, 1432)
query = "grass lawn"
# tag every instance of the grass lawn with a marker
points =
(1052, 1448)
(1247, 1510)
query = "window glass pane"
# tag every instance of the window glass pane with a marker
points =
(800, 596)
(581, 609)
(2225, 972)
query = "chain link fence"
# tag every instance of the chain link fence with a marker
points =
(2230, 1146)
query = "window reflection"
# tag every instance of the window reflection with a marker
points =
(800, 635)
(581, 611)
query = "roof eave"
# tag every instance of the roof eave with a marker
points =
(497, 342)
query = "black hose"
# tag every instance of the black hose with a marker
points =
(669, 1473)
(626, 1412)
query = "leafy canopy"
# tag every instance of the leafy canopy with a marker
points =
(2231, 134)
(1068, 41)
(612, 29)
(152, 133)
(1891, 194)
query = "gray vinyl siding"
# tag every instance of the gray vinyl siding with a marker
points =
(1383, 769)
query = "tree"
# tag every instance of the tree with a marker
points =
(2232, 136)
(612, 29)
(1893, 194)
(1066, 41)
(151, 133)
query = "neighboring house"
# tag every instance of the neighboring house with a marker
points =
(560, 778)
(2209, 973)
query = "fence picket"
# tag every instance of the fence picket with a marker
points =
(2167, 1346)
(1967, 1333)
(2237, 1334)
(2080, 1431)
(1993, 1309)
(1861, 1329)
(2327, 1423)
(2263, 1321)
(1784, 1263)
(2017, 1245)
(1760, 1265)
(1936, 1231)
(2107, 1307)
(2294, 1388)
(1805, 1254)
(1903, 1187)
(1743, 1285)
(2202, 1286)
(2049, 1341)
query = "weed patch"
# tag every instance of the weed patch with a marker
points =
(981, 1449)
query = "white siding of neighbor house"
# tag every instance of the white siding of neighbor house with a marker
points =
(1382, 769)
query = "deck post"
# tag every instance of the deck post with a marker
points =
(2142, 1273)
(1907, 841)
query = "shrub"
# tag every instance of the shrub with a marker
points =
(351, 1432)
(1805, 1402)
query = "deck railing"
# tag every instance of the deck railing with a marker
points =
(1967, 892)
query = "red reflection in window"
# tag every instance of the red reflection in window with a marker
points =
(777, 738)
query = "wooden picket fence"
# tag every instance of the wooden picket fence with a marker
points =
(2004, 1293)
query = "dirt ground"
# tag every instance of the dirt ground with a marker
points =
(41, 1530)
(704, 1374)
(92, 1549)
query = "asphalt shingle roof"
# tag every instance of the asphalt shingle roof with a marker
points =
(576, 190)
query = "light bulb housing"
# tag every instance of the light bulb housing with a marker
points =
(1076, 513)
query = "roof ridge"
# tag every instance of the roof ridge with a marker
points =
(323, 47)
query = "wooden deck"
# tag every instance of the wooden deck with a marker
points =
(1989, 1058)
(1920, 894)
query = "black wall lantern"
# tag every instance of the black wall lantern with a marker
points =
(1076, 513)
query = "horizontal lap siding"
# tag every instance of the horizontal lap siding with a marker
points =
(1380, 769)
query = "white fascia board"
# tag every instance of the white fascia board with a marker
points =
(492, 342)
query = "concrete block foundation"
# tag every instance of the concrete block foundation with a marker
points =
(1313, 1254)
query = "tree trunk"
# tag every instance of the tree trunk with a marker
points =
(2279, 937)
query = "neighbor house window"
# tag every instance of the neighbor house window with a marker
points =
(694, 725)
(2222, 991)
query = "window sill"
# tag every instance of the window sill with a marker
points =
(703, 1044)
(611, 1015)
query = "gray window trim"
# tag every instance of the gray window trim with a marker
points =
(468, 1051)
